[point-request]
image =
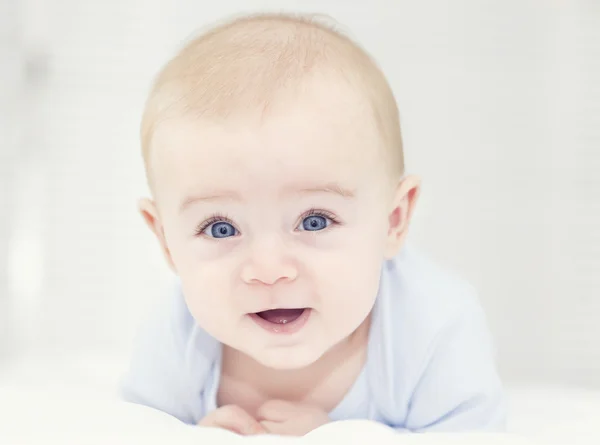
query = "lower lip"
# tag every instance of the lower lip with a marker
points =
(283, 328)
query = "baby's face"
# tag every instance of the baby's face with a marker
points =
(277, 228)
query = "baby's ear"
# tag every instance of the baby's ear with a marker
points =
(149, 212)
(403, 205)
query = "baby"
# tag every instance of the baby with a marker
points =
(274, 156)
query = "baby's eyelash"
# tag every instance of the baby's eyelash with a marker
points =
(320, 212)
(217, 217)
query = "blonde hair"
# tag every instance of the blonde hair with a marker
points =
(244, 63)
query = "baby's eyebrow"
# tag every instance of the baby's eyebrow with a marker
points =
(208, 198)
(330, 188)
(333, 188)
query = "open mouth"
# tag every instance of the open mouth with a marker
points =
(284, 321)
(281, 316)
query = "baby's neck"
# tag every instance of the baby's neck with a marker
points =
(247, 383)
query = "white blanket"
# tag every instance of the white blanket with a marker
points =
(76, 403)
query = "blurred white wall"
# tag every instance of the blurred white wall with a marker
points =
(10, 85)
(500, 107)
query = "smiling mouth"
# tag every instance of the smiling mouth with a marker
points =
(281, 316)
(282, 321)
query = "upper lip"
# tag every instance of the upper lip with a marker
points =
(279, 307)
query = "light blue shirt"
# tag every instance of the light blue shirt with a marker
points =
(430, 363)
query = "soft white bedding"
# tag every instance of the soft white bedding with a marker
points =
(44, 401)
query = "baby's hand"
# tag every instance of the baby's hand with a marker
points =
(293, 419)
(233, 418)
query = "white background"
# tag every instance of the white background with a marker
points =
(500, 109)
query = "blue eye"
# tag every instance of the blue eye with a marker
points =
(217, 226)
(222, 230)
(315, 223)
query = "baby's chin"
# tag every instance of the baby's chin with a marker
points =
(288, 358)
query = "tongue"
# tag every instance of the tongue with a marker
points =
(281, 316)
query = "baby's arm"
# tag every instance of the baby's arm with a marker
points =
(157, 376)
(459, 388)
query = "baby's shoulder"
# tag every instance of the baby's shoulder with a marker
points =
(431, 334)
(171, 336)
(172, 319)
(420, 303)
(416, 288)
(170, 360)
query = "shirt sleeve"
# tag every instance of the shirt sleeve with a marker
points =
(459, 388)
(157, 375)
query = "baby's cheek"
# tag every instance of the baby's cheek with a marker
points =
(354, 281)
(203, 250)
(205, 287)
(203, 261)
(208, 302)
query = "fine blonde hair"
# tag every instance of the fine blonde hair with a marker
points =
(244, 63)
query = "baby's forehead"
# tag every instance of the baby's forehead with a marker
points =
(287, 151)
(303, 131)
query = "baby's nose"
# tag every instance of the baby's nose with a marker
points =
(268, 263)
